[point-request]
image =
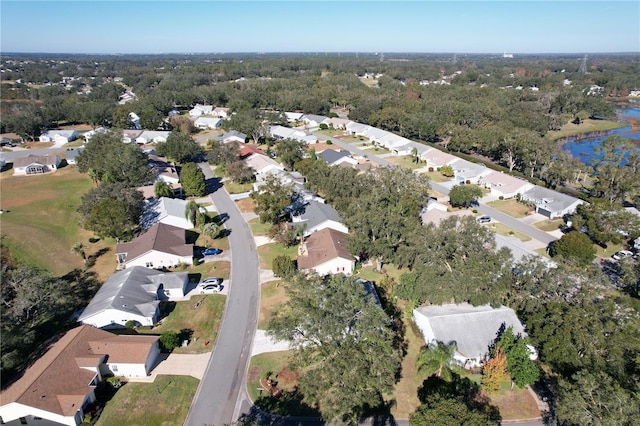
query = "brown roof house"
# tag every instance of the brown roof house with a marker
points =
(36, 164)
(161, 246)
(59, 386)
(325, 252)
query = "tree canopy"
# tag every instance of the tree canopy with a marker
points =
(193, 180)
(180, 147)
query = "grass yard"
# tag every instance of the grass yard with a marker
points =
(268, 252)
(220, 268)
(588, 125)
(331, 132)
(163, 402)
(502, 229)
(609, 251)
(246, 205)
(514, 403)
(370, 273)
(43, 224)
(437, 177)
(237, 188)
(511, 207)
(542, 251)
(406, 391)
(258, 228)
(203, 322)
(405, 161)
(548, 225)
(272, 296)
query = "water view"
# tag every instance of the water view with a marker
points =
(583, 148)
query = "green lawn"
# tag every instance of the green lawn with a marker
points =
(511, 207)
(258, 228)
(548, 225)
(202, 321)
(268, 252)
(437, 177)
(507, 231)
(588, 125)
(164, 402)
(609, 251)
(260, 365)
(238, 188)
(405, 161)
(543, 252)
(331, 132)
(43, 224)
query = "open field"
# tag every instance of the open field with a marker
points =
(268, 252)
(43, 224)
(511, 207)
(202, 322)
(272, 297)
(164, 402)
(588, 125)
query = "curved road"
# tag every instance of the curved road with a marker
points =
(221, 394)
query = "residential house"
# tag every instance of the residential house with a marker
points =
(152, 136)
(58, 136)
(200, 109)
(313, 120)
(72, 153)
(472, 328)
(551, 203)
(169, 211)
(436, 212)
(129, 136)
(161, 246)
(504, 185)
(262, 164)
(36, 164)
(325, 252)
(250, 149)
(165, 171)
(59, 386)
(207, 122)
(436, 158)
(292, 117)
(356, 129)
(133, 294)
(234, 136)
(468, 172)
(280, 132)
(127, 96)
(221, 112)
(88, 135)
(404, 149)
(315, 216)
(336, 123)
(335, 158)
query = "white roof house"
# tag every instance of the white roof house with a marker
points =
(152, 136)
(313, 120)
(293, 116)
(58, 136)
(436, 158)
(88, 135)
(472, 328)
(169, 211)
(234, 136)
(221, 112)
(133, 295)
(336, 123)
(200, 109)
(207, 122)
(262, 164)
(468, 172)
(551, 203)
(357, 129)
(504, 185)
(281, 132)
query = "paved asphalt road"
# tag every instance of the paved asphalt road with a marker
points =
(221, 394)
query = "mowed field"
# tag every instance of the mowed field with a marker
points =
(42, 222)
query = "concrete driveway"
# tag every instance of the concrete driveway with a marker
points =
(193, 365)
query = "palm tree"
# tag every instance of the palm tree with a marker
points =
(437, 359)
(211, 229)
(78, 248)
(195, 213)
(414, 154)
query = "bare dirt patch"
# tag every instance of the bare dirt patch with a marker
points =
(246, 205)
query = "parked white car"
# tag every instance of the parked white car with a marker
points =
(622, 254)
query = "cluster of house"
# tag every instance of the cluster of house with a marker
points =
(208, 116)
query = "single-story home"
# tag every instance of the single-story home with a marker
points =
(551, 203)
(325, 252)
(159, 247)
(169, 211)
(88, 135)
(133, 294)
(262, 164)
(152, 136)
(72, 153)
(59, 386)
(163, 169)
(250, 149)
(280, 132)
(468, 172)
(313, 120)
(504, 185)
(356, 129)
(436, 158)
(436, 212)
(316, 216)
(129, 136)
(335, 158)
(472, 328)
(221, 112)
(234, 136)
(58, 136)
(293, 116)
(36, 164)
(200, 109)
(207, 122)
(336, 123)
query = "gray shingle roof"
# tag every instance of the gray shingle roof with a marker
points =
(472, 328)
(133, 290)
(314, 213)
(331, 155)
(549, 199)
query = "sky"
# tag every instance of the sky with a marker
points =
(216, 26)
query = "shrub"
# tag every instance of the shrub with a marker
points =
(328, 142)
(169, 341)
(574, 245)
(501, 198)
(447, 171)
(131, 324)
(323, 126)
(283, 266)
(430, 169)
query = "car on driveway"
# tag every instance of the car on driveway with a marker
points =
(211, 251)
(210, 280)
(622, 254)
(484, 219)
(210, 288)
